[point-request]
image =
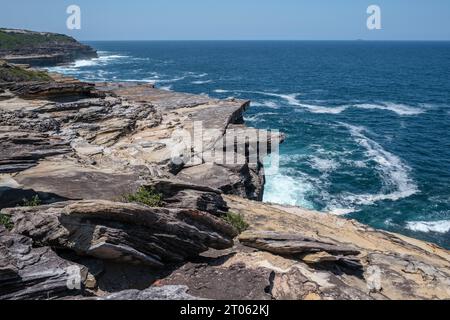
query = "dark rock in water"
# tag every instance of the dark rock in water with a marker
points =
(41, 48)
(153, 293)
(29, 273)
(123, 232)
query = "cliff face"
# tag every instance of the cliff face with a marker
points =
(107, 201)
(41, 48)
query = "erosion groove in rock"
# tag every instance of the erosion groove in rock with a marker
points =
(122, 231)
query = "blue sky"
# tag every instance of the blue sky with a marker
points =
(234, 19)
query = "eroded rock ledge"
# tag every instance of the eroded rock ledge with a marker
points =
(82, 148)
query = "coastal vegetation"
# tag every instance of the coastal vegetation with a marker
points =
(6, 221)
(33, 202)
(16, 40)
(12, 73)
(237, 221)
(146, 196)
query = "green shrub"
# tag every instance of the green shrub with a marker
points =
(12, 73)
(237, 221)
(147, 196)
(6, 221)
(33, 202)
(17, 40)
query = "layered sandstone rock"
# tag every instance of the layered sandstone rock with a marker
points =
(82, 148)
(27, 272)
(122, 232)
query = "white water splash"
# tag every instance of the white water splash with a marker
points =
(394, 172)
(442, 226)
(400, 109)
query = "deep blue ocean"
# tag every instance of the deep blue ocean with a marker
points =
(367, 123)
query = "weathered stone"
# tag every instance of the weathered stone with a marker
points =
(35, 273)
(388, 266)
(21, 151)
(153, 293)
(75, 182)
(49, 89)
(235, 282)
(292, 244)
(182, 195)
(123, 232)
(231, 179)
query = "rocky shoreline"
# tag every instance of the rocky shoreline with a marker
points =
(41, 48)
(94, 206)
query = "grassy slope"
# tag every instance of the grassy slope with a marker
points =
(11, 73)
(15, 41)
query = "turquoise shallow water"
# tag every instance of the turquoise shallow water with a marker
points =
(367, 123)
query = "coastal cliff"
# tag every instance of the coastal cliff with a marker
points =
(41, 48)
(92, 194)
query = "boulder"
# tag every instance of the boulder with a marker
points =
(238, 179)
(293, 244)
(123, 232)
(184, 195)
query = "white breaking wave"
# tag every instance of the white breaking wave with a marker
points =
(166, 88)
(394, 172)
(259, 116)
(202, 82)
(323, 165)
(221, 91)
(152, 81)
(84, 63)
(171, 80)
(292, 100)
(340, 211)
(442, 226)
(201, 75)
(103, 59)
(266, 103)
(286, 190)
(400, 109)
(322, 109)
(110, 57)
